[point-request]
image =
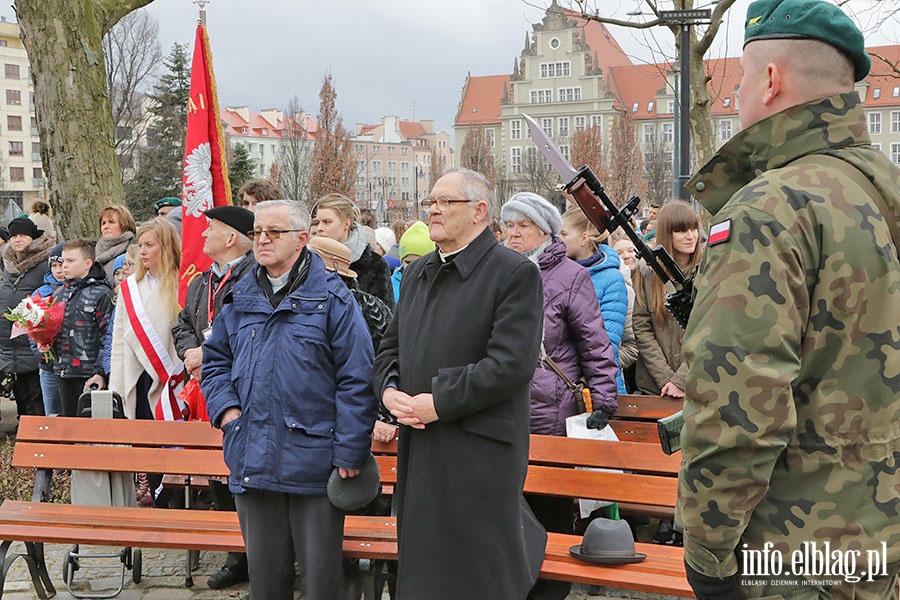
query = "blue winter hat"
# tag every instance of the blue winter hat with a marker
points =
(119, 263)
(55, 254)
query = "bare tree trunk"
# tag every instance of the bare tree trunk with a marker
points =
(64, 41)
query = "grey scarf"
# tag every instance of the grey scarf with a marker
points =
(357, 243)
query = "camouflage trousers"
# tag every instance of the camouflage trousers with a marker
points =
(884, 588)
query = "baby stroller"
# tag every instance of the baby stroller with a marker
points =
(98, 488)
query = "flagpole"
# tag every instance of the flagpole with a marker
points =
(202, 4)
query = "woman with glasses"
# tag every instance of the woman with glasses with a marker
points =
(574, 340)
(336, 217)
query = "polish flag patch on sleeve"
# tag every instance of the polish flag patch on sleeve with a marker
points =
(719, 233)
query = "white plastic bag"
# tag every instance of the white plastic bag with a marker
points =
(576, 427)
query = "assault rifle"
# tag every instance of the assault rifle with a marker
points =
(588, 193)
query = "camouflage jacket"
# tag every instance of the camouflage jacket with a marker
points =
(792, 408)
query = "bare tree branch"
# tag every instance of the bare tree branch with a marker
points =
(110, 12)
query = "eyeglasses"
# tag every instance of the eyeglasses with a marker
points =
(443, 203)
(272, 234)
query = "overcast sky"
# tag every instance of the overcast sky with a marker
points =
(387, 57)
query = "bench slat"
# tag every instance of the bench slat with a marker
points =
(646, 408)
(630, 456)
(642, 432)
(119, 459)
(598, 485)
(194, 434)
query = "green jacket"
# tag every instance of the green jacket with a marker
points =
(792, 408)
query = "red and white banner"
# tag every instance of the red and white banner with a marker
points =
(205, 183)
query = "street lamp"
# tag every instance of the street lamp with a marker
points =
(684, 18)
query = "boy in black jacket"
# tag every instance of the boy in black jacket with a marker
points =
(88, 298)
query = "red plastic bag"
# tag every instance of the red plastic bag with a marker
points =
(195, 401)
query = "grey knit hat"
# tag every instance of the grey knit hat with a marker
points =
(528, 205)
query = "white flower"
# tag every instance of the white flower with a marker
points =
(198, 194)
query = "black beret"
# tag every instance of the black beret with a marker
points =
(239, 218)
(24, 226)
(808, 19)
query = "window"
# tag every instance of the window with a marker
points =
(36, 148)
(37, 173)
(359, 148)
(875, 123)
(579, 123)
(16, 149)
(897, 92)
(262, 149)
(376, 149)
(515, 160)
(727, 102)
(17, 173)
(895, 121)
(244, 130)
(123, 133)
(515, 129)
(876, 147)
(265, 131)
(404, 181)
(541, 96)
(725, 130)
(376, 166)
(404, 166)
(152, 135)
(670, 107)
(555, 69)
(566, 151)
(563, 127)
(12, 71)
(634, 107)
(668, 132)
(649, 133)
(361, 166)
(2, 43)
(13, 97)
(547, 125)
(13, 123)
(569, 94)
(597, 121)
(490, 136)
(392, 150)
(895, 154)
(876, 94)
(392, 166)
(650, 106)
(404, 151)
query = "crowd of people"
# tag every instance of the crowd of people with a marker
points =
(314, 332)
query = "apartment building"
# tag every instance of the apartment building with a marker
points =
(21, 170)
(264, 132)
(396, 161)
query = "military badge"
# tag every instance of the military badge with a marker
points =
(720, 232)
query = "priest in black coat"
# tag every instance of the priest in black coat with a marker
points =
(455, 367)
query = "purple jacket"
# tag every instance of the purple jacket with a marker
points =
(575, 338)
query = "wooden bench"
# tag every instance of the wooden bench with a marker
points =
(195, 449)
(635, 419)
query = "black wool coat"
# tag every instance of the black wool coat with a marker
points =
(469, 333)
(22, 275)
(374, 276)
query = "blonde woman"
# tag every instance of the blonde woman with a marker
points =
(337, 217)
(144, 362)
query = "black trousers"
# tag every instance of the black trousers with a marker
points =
(26, 389)
(279, 528)
(222, 499)
(70, 389)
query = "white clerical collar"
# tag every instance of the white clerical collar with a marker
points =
(444, 256)
(278, 282)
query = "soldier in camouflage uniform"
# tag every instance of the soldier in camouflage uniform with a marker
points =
(792, 408)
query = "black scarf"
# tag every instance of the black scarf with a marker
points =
(298, 275)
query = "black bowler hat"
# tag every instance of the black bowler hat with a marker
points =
(239, 218)
(355, 492)
(24, 226)
(607, 542)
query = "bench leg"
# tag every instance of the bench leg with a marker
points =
(33, 568)
(36, 550)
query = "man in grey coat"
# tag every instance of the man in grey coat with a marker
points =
(454, 368)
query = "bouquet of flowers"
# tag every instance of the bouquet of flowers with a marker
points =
(40, 319)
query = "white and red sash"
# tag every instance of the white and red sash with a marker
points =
(171, 376)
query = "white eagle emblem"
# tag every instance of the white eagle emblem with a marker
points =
(198, 194)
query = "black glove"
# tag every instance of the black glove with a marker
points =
(710, 588)
(598, 419)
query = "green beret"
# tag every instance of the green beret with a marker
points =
(163, 202)
(808, 19)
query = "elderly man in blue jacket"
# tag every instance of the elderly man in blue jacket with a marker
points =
(287, 375)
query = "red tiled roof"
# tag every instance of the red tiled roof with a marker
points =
(235, 124)
(481, 100)
(601, 41)
(411, 129)
(883, 78)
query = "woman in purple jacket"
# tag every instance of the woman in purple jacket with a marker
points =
(574, 338)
